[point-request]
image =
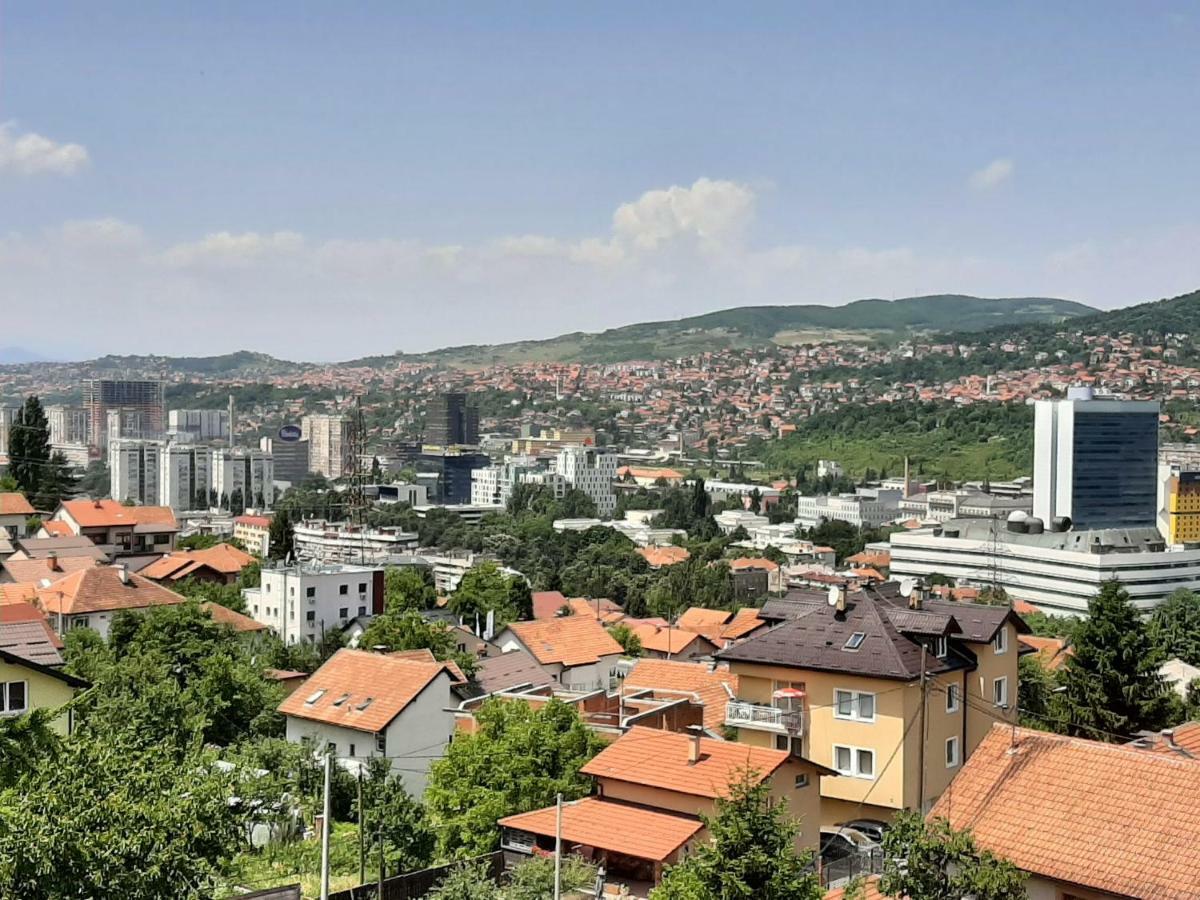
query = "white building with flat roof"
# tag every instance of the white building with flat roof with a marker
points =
(247, 471)
(304, 601)
(321, 541)
(185, 477)
(591, 470)
(865, 508)
(329, 444)
(201, 424)
(133, 470)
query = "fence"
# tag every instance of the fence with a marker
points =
(836, 872)
(415, 885)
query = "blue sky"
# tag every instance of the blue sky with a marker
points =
(327, 180)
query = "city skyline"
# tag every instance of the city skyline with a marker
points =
(313, 184)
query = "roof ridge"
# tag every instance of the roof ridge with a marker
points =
(1093, 745)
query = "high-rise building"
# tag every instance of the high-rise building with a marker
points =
(453, 469)
(8, 417)
(145, 397)
(134, 469)
(246, 472)
(450, 421)
(68, 424)
(591, 470)
(494, 485)
(291, 458)
(185, 476)
(330, 444)
(201, 424)
(1095, 461)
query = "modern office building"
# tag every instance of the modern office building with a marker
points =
(591, 470)
(1180, 508)
(133, 467)
(399, 492)
(450, 421)
(451, 468)
(8, 417)
(201, 424)
(1095, 461)
(291, 458)
(963, 503)
(185, 476)
(330, 440)
(494, 485)
(244, 472)
(100, 395)
(865, 508)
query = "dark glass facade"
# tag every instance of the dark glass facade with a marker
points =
(1114, 476)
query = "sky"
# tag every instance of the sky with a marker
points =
(328, 180)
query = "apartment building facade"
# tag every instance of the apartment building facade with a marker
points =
(143, 403)
(591, 470)
(329, 444)
(300, 603)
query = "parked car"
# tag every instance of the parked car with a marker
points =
(839, 841)
(872, 828)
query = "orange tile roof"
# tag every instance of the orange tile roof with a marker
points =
(36, 569)
(568, 640)
(388, 682)
(668, 640)
(714, 688)
(426, 655)
(109, 513)
(753, 562)
(13, 503)
(224, 559)
(659, 759)
(1107, 817)
(56, 529)
(223, 615)
(663, 556)
(1051, 652)
(21, 592)
(1185, 737)
(253, 521)
(100, 589)
(615, 827)
(546, 604)
(601, 609)
(696, 617)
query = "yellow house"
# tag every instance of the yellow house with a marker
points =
(31, 661)
(891, 691)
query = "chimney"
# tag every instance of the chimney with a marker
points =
(96, 504)
(1169, 736)
(840, 599)
(123, 573)
(916, 599)
(693, 745)
(52, 561)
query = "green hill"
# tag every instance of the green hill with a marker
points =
(1152, 320)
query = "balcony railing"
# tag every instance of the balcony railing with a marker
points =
(740, 714)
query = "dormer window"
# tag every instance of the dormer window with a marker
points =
(855, 641)
(314, 697)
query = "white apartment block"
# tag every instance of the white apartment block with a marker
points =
(329, 444)
(328, 542)
(134, 467)
(303, 602)
(866, 508)
(591, 470)
(201, 424)
(247, 470)
(68, 424)
(494, 485)
(185, 477)
(8, 417)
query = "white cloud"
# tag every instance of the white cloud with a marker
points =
(714, 212)
(226, 250)
(33, 154)
(992, 175)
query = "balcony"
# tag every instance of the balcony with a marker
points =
(739, 714)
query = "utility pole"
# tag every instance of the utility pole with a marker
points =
(924, 736)
(362, 847)
(558, 848)
(379, 893)
(325, 826)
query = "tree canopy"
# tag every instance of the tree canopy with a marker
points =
(928, 860)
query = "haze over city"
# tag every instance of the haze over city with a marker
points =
(327, 182)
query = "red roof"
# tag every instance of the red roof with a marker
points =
(110, 513)
(714, 688)
(567, 640)
(616, 827)
(253, 521)
(546, 604)
(13, 503)
(101, 589)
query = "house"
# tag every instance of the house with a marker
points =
(577, 651)
(243, 625)
(547, 604)
(51, 567)
(289, 679)
(53, 529)
(657, 557)
(1051, 652)
(220, 564)
(31, 675)
(505, 672)
(60, 546)
(254, 532)
(362, 705)
(91, 598)
(302, 602)
(839, 679)
(118, 529)
(672, 643)
(651, 787)
(721, 626)
(1086, 820)
(15, 511)
(774, 572)
(467, 641)
(712, 687)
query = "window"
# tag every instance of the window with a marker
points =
(332, 747)
(310, 616)
(855, 705)
(855, 640)
(362, 587)
(381, 743)
(1000, 692)
(941, 647)
(801, 781)
(268, 587)
(342, 612)
(14, 697)
(314, 696)
(951, 752)
(292, 591)
(1000, 641)
(362, 610)
(854, 761)
(80, 622)
(343, 589)
(952, 699)
(352, 753)
(310, 592)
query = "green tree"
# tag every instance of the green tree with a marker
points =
(95, 482)
(406, 587)
(467, 882)
(29, 447)
(630, 642)
(484, 589)
(57, 483)
(534, 879)
(518, 760)
(391, 814)
(751, 853)
(26, 741)
(1111, 683)
(931, 861)
(1175, 627)
(280, 537)
(407, 629)
(1036, 690)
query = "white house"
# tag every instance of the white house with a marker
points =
(362, 705)
(576, 650)
(302, 602)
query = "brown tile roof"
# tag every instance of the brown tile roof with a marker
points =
(1107, 817)
(223, 615)
(712, 687)
(1051, 652)
(744, 622)
(109, 513)
(659, 759)
(61, 546)
(389, 684)
(616, 827)
(658, 557)
(100, 589)
(36, 569)
(13, 503)
(696, 617)
(223, 559)
(546, 604)
(25, 632)
(506, 671)
(569, 640)
(671, 640)
(753, 562)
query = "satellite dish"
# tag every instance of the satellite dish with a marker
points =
(833, 595)
(906, 587)
(44, 583)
